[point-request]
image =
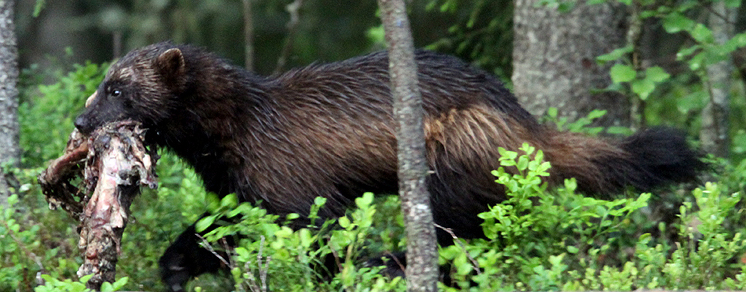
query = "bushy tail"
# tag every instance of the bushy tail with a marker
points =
(646, 160)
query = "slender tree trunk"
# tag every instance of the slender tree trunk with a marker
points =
(9, 151)
(714, 132)
(248, 33)
(292, 26)
(554, 59)
(422, 271)
(116, 39)
(634, 37)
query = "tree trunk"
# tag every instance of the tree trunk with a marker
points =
(422, 271)
(292, 26)
(248, 34)
(9, 151)
(554, 59)
(714, 132)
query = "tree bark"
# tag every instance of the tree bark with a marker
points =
(554, 59)
(634, 37)
(292, 26)
(714, 132)
(422, 271)
(248, 34)
(9, 149)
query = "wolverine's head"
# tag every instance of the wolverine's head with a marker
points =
(143, 86)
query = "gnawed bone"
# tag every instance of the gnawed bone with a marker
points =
(116, 165)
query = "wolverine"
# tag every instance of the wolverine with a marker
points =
(328, 130)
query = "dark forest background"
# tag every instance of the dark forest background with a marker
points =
(327, 30)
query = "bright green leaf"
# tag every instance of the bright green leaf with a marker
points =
(595, 114)
(106, 287)
(38, 7)
(229, 201)
(119, 284)
(552, 112)
(695, 63)
(243, 253)
(702, 34)
(284, 232)
(643, 88)
(683, 53)
(736, 42)
(522, 163)
(365, 200)
(319, 201)
(344, 222)
(622, 73)
(614, 55)
(306, 238)
(676, 22)
(656, 74)
(205, 222)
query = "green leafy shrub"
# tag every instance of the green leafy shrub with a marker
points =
(530, 235)
(541, 240)
(46, 112)
(53, 285)
(294, 259)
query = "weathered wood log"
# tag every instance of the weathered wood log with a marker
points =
(116, 163)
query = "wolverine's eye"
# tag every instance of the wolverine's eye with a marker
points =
(115, 93)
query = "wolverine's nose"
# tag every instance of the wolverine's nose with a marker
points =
(83, 125)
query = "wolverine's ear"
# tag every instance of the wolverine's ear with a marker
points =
(170, 64)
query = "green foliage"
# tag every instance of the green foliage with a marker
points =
(582, 124)
(46, 112)
(530, 234)
(38, 7)
(540, 240)
(53, 285)
(679, 98)
(294, 259)
(642, 83)
(479, 31)
(13, 241)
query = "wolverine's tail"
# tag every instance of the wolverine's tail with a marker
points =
(648, 159)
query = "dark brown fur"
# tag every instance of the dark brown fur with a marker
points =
(327, 130)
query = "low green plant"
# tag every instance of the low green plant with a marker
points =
(582, 124)
(543, 240)
(532, 235)
(53, 285)
(273, 255)
(18, 263)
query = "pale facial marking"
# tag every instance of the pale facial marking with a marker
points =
(90, 99)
